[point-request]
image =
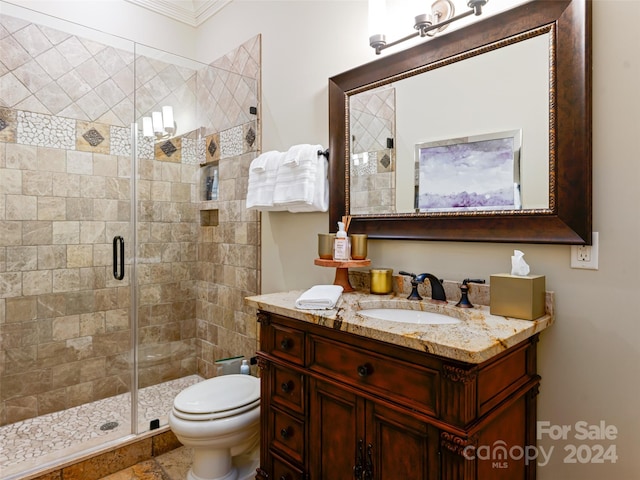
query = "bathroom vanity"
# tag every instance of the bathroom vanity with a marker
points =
(347, 397)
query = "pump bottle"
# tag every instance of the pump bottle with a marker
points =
(341, 247)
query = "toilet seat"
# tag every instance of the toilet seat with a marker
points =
(218, 397)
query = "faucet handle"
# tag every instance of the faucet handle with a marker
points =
(464, 301)
(412, 275)
(414, 295)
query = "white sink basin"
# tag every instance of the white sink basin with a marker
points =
(408, 316)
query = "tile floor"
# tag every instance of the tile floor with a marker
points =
(173, 465)
(38, 441)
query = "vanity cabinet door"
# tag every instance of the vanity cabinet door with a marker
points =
(399, 445)
(335, 424)
(355, 438)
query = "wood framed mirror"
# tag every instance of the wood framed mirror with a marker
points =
(563, 216)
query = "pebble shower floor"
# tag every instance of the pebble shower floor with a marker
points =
(45, 439)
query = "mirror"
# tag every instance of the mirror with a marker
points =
(512, 92)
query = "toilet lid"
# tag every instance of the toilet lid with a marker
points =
(218, 394)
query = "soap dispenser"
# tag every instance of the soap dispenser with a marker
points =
(245, 369)
(341, 247)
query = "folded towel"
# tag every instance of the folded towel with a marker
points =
(295, 184)
(262, 181)
(319, 297)
(259, 164)
(301, 153)
(320, 201)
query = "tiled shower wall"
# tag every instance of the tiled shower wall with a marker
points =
(229, 253)
(65, 191)
(372, 163)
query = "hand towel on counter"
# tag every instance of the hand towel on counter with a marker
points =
(262, 180)
(319, 297)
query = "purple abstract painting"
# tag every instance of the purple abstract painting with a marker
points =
(470, 175)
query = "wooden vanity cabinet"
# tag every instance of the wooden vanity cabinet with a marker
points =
(339, 406)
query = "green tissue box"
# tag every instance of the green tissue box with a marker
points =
(518, 297)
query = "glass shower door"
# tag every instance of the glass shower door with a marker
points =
(66, 337)
(170, 149)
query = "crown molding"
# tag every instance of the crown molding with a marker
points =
(191, 12)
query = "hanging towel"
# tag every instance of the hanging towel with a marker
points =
(301, 184)
(301, 153)
(319, 297)
(320, 202)
(262, 180)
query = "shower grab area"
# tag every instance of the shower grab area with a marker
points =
(114, 293)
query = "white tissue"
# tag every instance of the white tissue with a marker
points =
(518, 266)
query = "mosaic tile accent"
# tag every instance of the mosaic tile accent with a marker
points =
(145, 147)
(212, 148)
(168, 148)
(3, 124)
(231, 142)
(121, 141)
(9, 119)
(31, 442)
(362, 167)
(45, 130)
(385, 161)
(250, 137)
(93, 137)
(192, 151)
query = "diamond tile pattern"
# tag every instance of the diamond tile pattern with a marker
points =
(372, 119)
(46, 71)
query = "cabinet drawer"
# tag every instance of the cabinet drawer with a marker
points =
(407, 384)
(283, 471)
(287, 389)
(286, 343)
(288, 435)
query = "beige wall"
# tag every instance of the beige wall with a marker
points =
(589, 360)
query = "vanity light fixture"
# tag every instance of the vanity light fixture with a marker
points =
(159, 124)
(426, 24)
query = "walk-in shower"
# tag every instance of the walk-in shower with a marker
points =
(114, 293)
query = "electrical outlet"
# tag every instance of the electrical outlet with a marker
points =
(585, 257)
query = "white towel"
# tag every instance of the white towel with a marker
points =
(320, 202)
(301, 153)
(319, 297)
(302, 184)
(259, 164)
(262, 180)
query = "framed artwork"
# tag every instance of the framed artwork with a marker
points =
(476, 173)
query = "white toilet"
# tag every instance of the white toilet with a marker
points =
(219, 419)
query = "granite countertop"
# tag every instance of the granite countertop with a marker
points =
(479, 337)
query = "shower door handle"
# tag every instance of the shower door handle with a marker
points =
(118, 274)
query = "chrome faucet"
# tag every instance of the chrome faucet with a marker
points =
(437, 289)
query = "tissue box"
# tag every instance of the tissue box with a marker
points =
(517, 297)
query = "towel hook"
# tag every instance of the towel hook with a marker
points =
(325, 154)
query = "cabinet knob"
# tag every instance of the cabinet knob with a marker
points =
(365, 370)
(286, 344)
(285, 432)
(287, 387)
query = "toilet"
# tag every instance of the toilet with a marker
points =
(219, 419)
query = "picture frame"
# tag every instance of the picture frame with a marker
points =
(467, 174)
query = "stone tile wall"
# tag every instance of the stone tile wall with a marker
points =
(372, 163)
(65, 192)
